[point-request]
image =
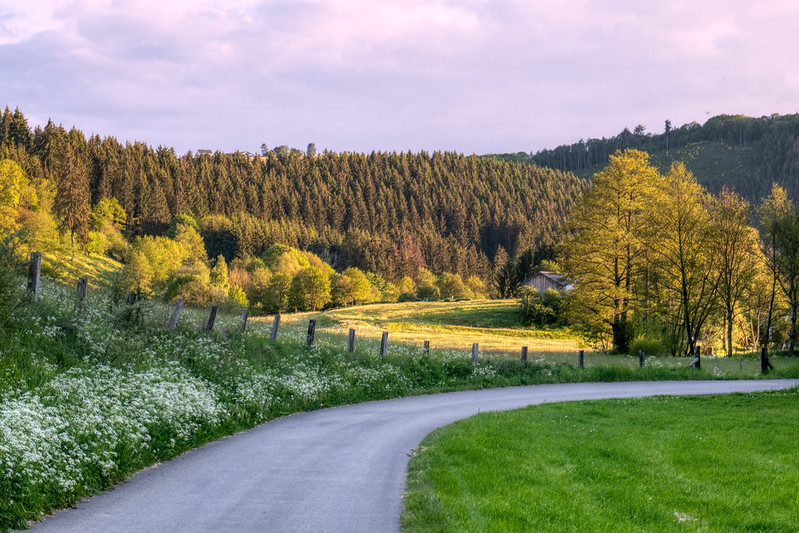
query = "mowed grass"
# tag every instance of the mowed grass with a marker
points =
(722, 463)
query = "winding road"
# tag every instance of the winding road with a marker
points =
(340, 470)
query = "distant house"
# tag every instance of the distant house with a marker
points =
(204, 152)
(547, 280)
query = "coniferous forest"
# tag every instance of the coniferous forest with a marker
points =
(389, 213)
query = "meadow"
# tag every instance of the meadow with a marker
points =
(719, 463)
(91, 394)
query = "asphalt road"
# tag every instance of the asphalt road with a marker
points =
(337, 470)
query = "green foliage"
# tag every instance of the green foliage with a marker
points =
(310, 290)
(540, 310)
(108, 212)
(381, 290)
(406, 285)
(649, 346)
(451, 287)
(276, 297)
(192, 283)
(219, 274)
(10, 278)
(138, 275)
(164, 256)
(743, 153)
(428, 292)
(258, 290)
(192, 244)
(605, 246)
(359, 285)
(236, 294)
(15, 190)
(181, 220)
(280, 258)
(107, 221)
(219, 236)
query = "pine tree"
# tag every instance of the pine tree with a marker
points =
(72, 196)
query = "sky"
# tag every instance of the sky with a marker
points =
(472, 76)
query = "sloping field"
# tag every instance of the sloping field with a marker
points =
(493, 324)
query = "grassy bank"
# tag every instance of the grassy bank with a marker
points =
(89, 396)
(723, 463)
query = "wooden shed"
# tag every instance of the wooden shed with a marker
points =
(546, 280)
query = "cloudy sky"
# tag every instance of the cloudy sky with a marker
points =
(474, 76)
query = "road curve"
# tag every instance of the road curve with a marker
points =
(339, 469)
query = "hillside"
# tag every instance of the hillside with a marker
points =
(389, 213)
(747, 154)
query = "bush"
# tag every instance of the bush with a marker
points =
(428, 291)
(540, 310)
(649, 346)
(10, 292)
(407, 297)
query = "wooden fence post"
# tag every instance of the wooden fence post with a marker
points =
(275, 325)
(641, 355)
(311, 332)
(83, 283)
(474, 353)
(384, 344)
(212, 318)
(245, 313)
(427, 348)
(524, 354)
(581, 358)
(173, 320)
(351, 341)
(35, 274)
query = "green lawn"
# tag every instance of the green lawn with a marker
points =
(725, 463)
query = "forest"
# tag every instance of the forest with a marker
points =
(390, 213)
(744, 153)
(441, 217)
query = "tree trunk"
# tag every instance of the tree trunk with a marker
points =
(621, 341)
(729, 332)
(792, 337)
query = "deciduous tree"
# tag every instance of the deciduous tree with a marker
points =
(683, 243)
(738, 255)
(605, 246)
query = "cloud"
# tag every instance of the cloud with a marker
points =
(468, 75)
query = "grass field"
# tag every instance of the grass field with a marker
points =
(452, 327)
(493, 324)
(724, 463)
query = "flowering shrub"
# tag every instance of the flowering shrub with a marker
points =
(83, 421)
